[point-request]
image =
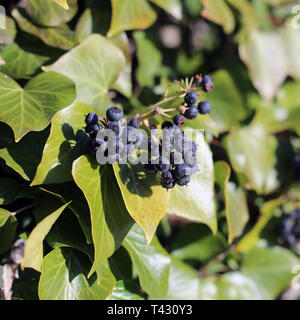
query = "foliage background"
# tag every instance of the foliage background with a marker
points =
(110, 232)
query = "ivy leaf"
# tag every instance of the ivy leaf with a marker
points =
(33, 254)
(236, 209)
(243, 146)
(258, 52)
(64, 277)
(8, 226)
(7, 35)
(56, 14)
(172, 6)
(110, 223)
(62, 3)
(25, 156)
(219, 12)
(94, 66)
(151, 262)
(196, 201)
(270, 268)
(20, 64)
(130, 15)
(59, 37)
(253, 236)
(64, 145)
(145, 200)
(122, 293)
(31, 108)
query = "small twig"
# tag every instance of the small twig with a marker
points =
(25, 208)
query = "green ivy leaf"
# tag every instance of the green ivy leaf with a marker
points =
(8, 226)
(150, 60)
(145, 200)
(236, 208)
(64, 145)
(219, 12)
(243, 146)
(24, 156)
(130, 15)
(8, 34)
(94, 66)
(110, 223)
(20, 64)
(31, 108)
(122, 293)
(270, 268)
(172, 6)
(62, 3)
(196, 202)
(151, 262)
(33, 254)
(64, 277)
(258, 52)
(58, 37)
(56, 14)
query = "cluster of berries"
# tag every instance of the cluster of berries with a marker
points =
(191, 99)
(171, 154)
(113, 117)
(289, 229)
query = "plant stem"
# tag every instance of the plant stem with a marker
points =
(25, 208)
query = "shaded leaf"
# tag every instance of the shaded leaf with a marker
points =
(8, 226)
(20, 63)
(9, 189)
(110, 223)
(151, 262)
(31, 108)
(64, 277)
(64, 145)
(253, 236)
(59, 37)
(94, 66)
(24, 156)
(33, 254)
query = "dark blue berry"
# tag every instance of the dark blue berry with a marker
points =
(183, 181)
(179, 120)
(100, 144)
(92, 128)
(130, 148)
(204, 107)
(116, 128)
(182, 170)
(114, 114)
(167, 125)
(191, 98)
(167, 180)
(175, 157)
(190, 158)
(191, 113)
(163, 164)
(91, 118)
(207, 84)
(134, 123)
